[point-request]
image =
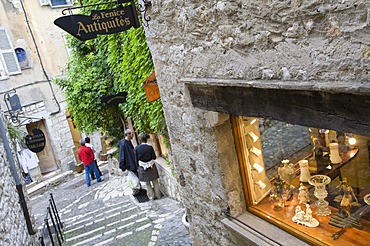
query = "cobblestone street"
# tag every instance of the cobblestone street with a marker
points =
(107, 214)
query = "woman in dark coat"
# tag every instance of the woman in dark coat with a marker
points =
(148, 172)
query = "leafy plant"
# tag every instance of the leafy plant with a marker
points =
(104, 66)
(14, 132)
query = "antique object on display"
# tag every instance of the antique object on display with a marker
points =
(256, 151)
(342, 147)
(305, 173)
(320, 182)
(334, 153)
(304, 218)
(260, 184)
(303, 194)
(286, 172)
(317, 149)
(253, 136)
(324, 137)
(274, 196)
(280, 194)
(317, 153)
(354, 220)
(258, 181)
(348, 199)
(258, 167)
(367, 199)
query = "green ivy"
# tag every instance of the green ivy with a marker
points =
(105, 66)
(15, 133)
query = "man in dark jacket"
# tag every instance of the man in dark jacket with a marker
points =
(127, 155)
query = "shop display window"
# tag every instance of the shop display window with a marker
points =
(311, 182)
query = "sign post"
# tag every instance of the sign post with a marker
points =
(151, 88)
(36, 142)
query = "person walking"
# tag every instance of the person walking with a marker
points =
(127, 156)
(148, 172)
(86, 156)
(88, 144)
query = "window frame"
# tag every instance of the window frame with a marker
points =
(7, 51)
(50, 3)
(295, 230)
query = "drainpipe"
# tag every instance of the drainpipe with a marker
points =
(18, 184)
(39, 56)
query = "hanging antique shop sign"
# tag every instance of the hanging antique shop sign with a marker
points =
(100, 22)
(151, 88)
(36, 141)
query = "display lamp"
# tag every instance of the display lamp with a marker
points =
(351, 140)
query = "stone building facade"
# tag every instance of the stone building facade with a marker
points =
(33, 53)
(13, 228)
(302, 62)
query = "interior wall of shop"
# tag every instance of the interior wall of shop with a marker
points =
(253, 41)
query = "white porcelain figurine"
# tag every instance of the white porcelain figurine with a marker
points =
(304, 218)
(303, 195)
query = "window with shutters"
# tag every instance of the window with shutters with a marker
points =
(8, 60)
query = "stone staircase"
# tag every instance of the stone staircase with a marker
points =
(119, 223)
(107, 214)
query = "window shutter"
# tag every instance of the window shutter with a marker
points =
(3, 72)
(44, 2)
(8, 54)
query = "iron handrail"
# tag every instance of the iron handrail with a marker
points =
(52, 215)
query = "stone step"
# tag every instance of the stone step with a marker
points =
(82, 214)
(52, 179)
(120, 220)
(109, 229)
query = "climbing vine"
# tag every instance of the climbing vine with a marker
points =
(105, 66)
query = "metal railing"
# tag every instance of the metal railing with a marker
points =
(47, 231)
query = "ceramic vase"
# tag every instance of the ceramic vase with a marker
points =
(286, 172)
(305, 173)
(334, 153)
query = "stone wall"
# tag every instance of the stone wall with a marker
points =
(167, 181)
(300, 40)
(61, 139)
(13, 228)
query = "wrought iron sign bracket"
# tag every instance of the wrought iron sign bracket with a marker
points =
(15, 109)
(142, 8)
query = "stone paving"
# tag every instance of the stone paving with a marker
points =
(107, 214)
